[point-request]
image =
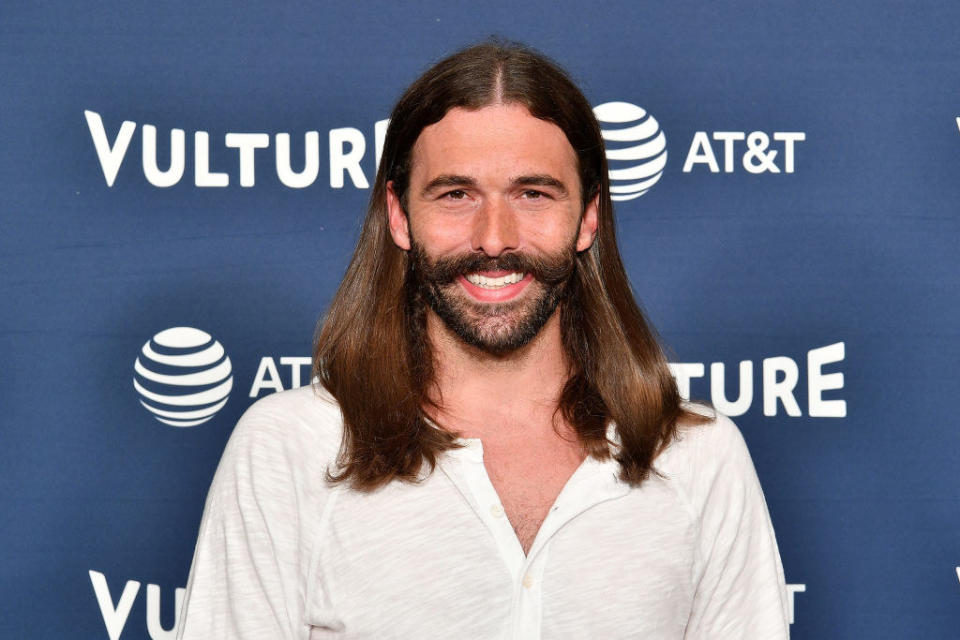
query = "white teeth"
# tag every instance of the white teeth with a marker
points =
(494, 283)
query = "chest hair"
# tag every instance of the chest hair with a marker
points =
(528, 485)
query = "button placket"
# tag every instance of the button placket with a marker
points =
(530, 595)
(592, 483)
(490, 509)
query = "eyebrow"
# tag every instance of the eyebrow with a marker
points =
(541, 180)
(447, 180)
(534, 180)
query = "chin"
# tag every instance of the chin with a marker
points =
(496, 335)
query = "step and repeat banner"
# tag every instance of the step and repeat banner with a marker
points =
(189, 179)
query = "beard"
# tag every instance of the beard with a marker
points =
(495, 328)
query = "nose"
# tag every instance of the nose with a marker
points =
(494, 228)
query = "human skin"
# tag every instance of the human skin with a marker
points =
(491, 181)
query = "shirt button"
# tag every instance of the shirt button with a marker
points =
(527, 581)
(496, 510)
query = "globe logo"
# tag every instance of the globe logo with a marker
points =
(636, 148)
(183, 376)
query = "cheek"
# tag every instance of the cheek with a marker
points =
(438, 237)
(552, 233)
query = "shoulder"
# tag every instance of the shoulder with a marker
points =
(310, 405)
(708, 442)
(258, 536)
(298, 428)
(705, 455)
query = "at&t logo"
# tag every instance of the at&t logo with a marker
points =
(183, 376)
(636, 148)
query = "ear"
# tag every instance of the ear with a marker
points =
(397, 217)
(588, 224)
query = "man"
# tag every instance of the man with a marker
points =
(495, 447)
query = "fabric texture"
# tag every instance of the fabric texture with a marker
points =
(690, 554)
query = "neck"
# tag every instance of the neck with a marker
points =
(484, 396)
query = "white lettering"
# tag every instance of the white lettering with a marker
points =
(818, 382)
(728, 138)
(789, 137)
(201, 163)
(757, 159)
(295, 363)
(247, 143)
(774, 389)
(700, 153)
(178, 153)
(347, 147)
(311, 165)
(791, 590)
(114, 618)
(718, 395)
(683, 372)
(342, 160)
(379, 135)
(154, 628)
(267, 377)
(778, 379)
(110, 156)
(758, 155)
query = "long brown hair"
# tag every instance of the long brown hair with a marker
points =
(371, 351)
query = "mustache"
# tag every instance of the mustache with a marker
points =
(547, 268)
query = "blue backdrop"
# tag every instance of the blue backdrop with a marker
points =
(805, 222)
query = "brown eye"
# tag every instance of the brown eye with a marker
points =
(535, 195)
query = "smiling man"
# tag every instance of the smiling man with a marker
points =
(490, 188)
(494, 447)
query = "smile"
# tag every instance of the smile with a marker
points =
(486, 282)
(495, 286)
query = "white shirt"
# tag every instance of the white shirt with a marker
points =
(284, 554)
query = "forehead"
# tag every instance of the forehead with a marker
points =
(485, 142)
